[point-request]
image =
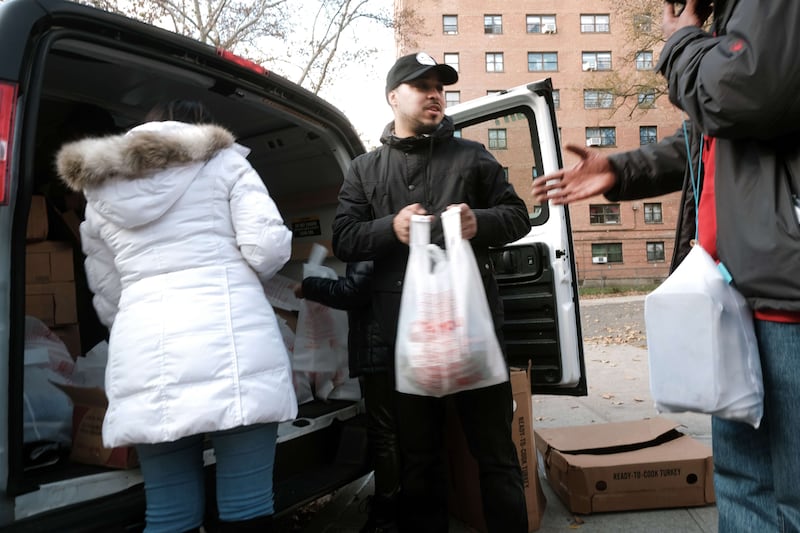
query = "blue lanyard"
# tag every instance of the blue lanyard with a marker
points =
(694, 177)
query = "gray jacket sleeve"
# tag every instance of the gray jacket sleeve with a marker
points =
(743, 83)
(652, 170)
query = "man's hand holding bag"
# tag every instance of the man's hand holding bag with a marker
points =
(446, 341)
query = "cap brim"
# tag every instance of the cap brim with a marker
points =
(447, 74)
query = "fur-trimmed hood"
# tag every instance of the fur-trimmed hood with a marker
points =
(141, 151)
(132, 179)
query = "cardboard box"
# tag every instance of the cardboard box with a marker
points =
(37, 220)
(52, 303)
(48, 261)
(89, 409)
(646, 464)
(464, 498)
(71, 337)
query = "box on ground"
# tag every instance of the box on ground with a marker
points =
(464, 497)
(645, 464)
(89, 409)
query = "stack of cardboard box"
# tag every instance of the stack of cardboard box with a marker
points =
(50, 279)
(50, 296)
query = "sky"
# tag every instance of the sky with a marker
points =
(360, 95)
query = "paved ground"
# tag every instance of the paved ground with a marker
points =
(616, 361)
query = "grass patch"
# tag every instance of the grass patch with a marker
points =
(600, 292)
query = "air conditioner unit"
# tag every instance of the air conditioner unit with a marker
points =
(594, 141)
(590, 65)
(549, 28)
(597, 260)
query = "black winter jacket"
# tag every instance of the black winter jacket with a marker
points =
(435, 170)
(741, 85)
(367, 351)
(657, 169)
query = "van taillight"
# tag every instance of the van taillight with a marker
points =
(8, 103)
(239, 60)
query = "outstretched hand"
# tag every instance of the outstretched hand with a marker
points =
(590, 176)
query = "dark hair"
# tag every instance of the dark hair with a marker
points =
(190, 111)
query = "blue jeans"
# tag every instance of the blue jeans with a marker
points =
(174, 479)
(757, 471)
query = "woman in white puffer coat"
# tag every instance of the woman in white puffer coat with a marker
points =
(179, 232)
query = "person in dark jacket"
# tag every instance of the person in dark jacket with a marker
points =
(370, 361)
(739, 85)
(422, 168)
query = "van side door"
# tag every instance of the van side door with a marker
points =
(536, 274)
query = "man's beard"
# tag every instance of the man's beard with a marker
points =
(426, 129)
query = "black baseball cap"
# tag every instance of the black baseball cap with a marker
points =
(415, 66)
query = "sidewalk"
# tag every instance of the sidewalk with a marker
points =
(619, 391)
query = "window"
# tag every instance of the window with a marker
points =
(642, 23)
(457, 134)
(595, 23)
(652, 213)
(494, 62)
(606, 136)
(452, 60)
(505, 172)
(597, 99)
(542, 61)
(612, 251)
(647, 98)
(493, 92)
(540, 23)
(493, 24)
(596, 60)
(452, 98)
(604, 214)
(450, 24)
(497, 139)
(655, 251)
(556, 98)
(647, 135)
(644, 60)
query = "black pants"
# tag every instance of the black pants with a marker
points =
(379, 400)
(486, 416)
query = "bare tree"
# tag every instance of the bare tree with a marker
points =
(308, 41)
(637, 86)
(222, 23)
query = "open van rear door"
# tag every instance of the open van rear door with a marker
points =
(536, 274)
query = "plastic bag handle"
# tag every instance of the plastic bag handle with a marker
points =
(451, 225)
(420, 230)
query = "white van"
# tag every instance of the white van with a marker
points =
(69, 70)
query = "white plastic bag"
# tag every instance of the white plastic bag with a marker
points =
(320, 343)
(446, 341)
(702, 346)
(47, 411)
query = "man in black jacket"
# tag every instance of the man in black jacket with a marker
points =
(739, 85)
(423, 169)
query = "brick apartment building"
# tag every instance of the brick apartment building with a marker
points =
(584, 46)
